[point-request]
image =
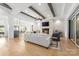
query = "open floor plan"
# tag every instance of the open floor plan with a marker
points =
(39, 29)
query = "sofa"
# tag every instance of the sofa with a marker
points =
(38, 38)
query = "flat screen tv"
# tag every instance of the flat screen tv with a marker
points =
(45, 23)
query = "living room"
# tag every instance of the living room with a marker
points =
(34, 26)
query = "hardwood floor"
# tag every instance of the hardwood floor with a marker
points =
(18, 47)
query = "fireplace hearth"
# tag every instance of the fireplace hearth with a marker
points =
(45, 30)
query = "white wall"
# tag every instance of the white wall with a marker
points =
(7, 19)
(4, 22)
(66, 29)
(26, 24)
(59, 25)
(51, 27)
(37, 26)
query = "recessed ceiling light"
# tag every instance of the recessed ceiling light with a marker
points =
(39, 4)
(58, 22)
(48, 15)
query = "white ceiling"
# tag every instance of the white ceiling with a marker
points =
(61, 9)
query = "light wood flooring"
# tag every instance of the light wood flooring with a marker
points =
(18, 47)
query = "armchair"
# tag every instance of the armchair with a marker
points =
(56, 37)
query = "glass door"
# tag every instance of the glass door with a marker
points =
(77, 29)
(72, 29)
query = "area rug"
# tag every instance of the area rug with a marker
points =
(53, 46)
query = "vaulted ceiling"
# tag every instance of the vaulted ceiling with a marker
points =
(41, 10)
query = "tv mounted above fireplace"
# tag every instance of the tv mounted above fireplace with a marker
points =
(45, 23)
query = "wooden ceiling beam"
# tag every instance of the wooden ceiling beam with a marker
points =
(51, 9)
(28, 15)
(5, 5)
(33, 9)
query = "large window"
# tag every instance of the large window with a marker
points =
(72, 29)
(77, 29)
(2, 30)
